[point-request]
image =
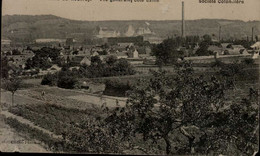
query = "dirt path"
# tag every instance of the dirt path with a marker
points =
(10, 141)
(25, 121)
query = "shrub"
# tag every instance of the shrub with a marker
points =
(67, 82)
(248, 61)
(49, 79)
(116, 88)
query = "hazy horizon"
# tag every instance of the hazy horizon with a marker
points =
(118, 11)
(134, 19)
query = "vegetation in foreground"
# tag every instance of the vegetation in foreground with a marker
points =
(177, 114)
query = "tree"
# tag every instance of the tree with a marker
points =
(16, 52)
(122, 67)
(95, 60)
(184, 105)
(110, 60)
(204, 45)
(12, 84)
(4, 67)
(41, 58)
(66, 79)
(166, 52)
(49, 79)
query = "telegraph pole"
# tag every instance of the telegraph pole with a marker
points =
(252, 34)
(183, 22)
(219, 34)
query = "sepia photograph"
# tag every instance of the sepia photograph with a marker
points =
(130, 77)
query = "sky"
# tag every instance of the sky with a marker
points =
(97, 10)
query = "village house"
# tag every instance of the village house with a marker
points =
(95, 53)
(5, 43)
(53, 69)
(133, 53)
(18, 60)
(79, 60)
(255, 50)
(225, 45)
(256, 46)
(228, 49)
(85, 61)
(105, 32)
(235, 50)
(216, 50)
(120, 55)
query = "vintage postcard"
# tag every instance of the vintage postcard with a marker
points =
(130, 77)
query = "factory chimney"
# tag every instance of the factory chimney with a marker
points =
(183, 22)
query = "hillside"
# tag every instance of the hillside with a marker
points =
(27, 28)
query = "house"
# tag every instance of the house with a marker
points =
(231, 52)
(120, 55)
(95, 53)
(27, 52)
(54, 68)
(49, 40)
(238, 47)
(133, 53)
(85, 52)
(235, 50)
(256, 46)
(225, 45)
(85, 61)
(216, 49)
(143, 30)
(18, 60)
(103, 57)
(107, 32)
(125, 44)
(244, 52)
(256, 50)
(5, 42)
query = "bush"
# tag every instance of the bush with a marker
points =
(67, 82)
(49, 79)
(116, 88)
(248, 61)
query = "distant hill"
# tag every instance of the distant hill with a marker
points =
(27, 28)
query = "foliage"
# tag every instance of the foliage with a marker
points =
(232, 70)
(66, 79)
(217, 63)
(4, 67)
(237, 135)
(166, 52)
(244, 43)
(236, 71)
(44, 58)
(111, 67)
(49, 79)
(116, 88)
(16, 52)
(12, 85)
(184, 103)
(248, 61)
(82, 131)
